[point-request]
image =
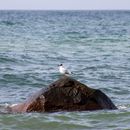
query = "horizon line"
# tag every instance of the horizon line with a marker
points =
(65, 9)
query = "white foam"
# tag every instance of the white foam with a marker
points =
(122, 107)
(13, 105)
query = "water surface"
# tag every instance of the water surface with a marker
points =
(94, 45)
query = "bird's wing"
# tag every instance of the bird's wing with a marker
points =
(66, 71)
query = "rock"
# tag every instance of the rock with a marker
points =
(66, 94)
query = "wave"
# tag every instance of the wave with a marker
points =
(10, 23)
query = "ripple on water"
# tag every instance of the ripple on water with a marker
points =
(67, 120)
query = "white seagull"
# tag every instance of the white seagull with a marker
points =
(63, 70)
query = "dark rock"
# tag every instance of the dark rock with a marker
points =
(66, 94)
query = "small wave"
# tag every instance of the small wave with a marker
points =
(7, 59)
(122, 107)
(3, 108)
(10, 23)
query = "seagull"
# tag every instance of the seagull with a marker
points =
(63, 70)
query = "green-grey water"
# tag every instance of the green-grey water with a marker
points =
(94, 45)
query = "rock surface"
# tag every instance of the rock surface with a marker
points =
(66, 94)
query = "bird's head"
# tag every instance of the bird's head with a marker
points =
(60, 65)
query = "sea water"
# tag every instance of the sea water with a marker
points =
(94, 45)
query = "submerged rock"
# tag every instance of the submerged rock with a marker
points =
(66, 94)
